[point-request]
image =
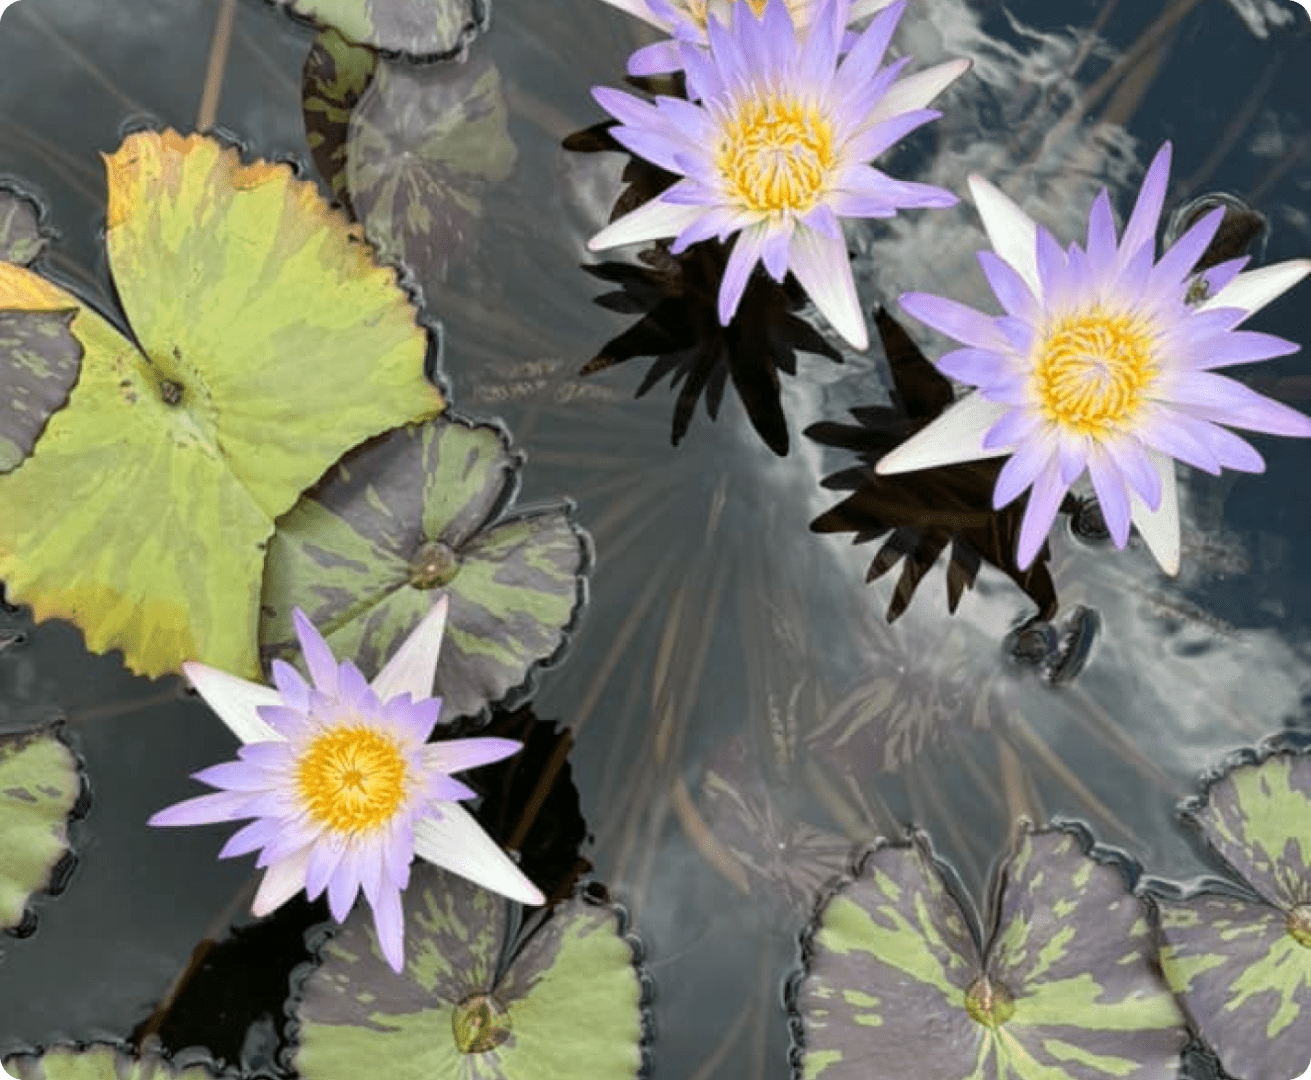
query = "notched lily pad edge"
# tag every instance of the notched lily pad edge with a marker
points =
(469, 32)
(151, 1050)
(913, 836)
(47, 233)
(62, 872)
(591, 892)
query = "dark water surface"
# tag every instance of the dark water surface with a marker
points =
(726, 649)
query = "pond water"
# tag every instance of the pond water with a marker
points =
(742, 712)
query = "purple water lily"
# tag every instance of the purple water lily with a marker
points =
(776, 148)
(343, 785)
(1103, 362)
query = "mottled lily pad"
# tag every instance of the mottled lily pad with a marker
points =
(40, 781)
(424, 143)
(415, 29)
(39, 362)
(334, 78)
(414, 511)
(476, 999)
(98, 1062)
(1063, 986)
(1243, 967)
(22, 237)
(266, 342)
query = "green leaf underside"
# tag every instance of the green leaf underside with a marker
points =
(423, 144)
(97, 1063)
(1245, 981)
(343, 556)
(335, 75)
(21, 238)
(1258, 818)
(420, 29)
(571, 993)
(886, 990)
(271, 343)
(39, 361)
(39, 784)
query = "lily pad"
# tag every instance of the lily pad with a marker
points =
(424, 143)
(40, 782)
(39, 362)
(22, 237)
(265, 343)
(414, 511)
(1243, 967)
(476, 998)
(415, 29)
(1063, 986)
(98, 1062)
(334, 78)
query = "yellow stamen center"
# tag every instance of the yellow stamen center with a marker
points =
(1094, 370)
(775, 153)
(351, 779)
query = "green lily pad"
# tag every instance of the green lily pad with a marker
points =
(415, 29)
(270, 343)
(334, 78)
(39, 362)
(416, 511)
(1063, 986)
(1243, 967)
(22, 238)
(40, 782)
(476, 1000)
(423, 145)
(98, 1062)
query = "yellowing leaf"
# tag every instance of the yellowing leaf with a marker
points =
(270, 342)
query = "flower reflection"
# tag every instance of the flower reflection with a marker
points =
(926, 513)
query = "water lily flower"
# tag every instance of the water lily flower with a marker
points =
(343, 785)
(777, 148)
(686, 20)
(1103, 362)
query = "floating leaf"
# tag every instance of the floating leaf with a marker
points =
(564, 1003)
(1243, 968)
(415, 511)
(22, 238)
(39, 362)
(424, 143)
(1065, 986)
(40, 782)
(98, 1062)
(269, 344)
(334, 78)
(416, 29)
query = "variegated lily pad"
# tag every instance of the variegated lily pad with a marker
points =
(265, 342)
(39, 362)
(424, 143)
(476, 1000)
(414, 511)
(40, 781)
(416, 29)
(98, 1062)
(334, 78)
(1063, 986)
(22, 238)
(1242, 967)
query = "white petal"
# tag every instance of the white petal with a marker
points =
(1252, 290)
(412, 667)
(283, 880)
(955, 436)
(1011, 231)
(822, 266)
(861, 9)
(1160, 528)
(916, 91)
(654, 220)
(639, 9)
(456, 841)
(235, 700)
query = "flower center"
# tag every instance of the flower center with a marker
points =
(775, 153)
(989, 1002)
(1093, 371)
(1299, 924)
(351, 779)
(479, 1023)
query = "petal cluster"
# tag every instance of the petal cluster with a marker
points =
(1103, 364)
(775, 147)
(343, 785)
